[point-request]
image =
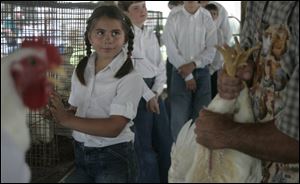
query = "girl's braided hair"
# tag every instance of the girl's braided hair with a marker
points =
(112, 12)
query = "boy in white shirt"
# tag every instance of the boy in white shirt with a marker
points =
(190, 36)
(152, 135)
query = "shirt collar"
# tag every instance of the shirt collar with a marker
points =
(118, 61)
(137, 30)
(191, 15)
(115, 65)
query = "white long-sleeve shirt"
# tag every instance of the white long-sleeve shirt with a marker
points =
(218, 60)
(222, 22)
(190, 38)
(224, 35)
(147, 60)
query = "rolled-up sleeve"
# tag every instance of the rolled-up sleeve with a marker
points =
(74, 95)
(129, 93)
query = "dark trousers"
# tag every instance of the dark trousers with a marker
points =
(110, 164)
(153, 142)
(214, 84)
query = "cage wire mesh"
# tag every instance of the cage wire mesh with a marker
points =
(62, 24)
(155, 23)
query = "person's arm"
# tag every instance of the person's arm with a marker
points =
(261, 140)
(148, 94)
(122, 109)
(151, 98)
(265, 141)
(161, 77)
(104, 127)
(171, 44)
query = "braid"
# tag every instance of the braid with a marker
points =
(83, 62)
(127, 67)
(130, 43)
(112, 12)
(87, 44)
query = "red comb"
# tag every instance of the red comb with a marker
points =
(53, 56)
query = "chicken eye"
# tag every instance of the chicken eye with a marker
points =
(32, 62)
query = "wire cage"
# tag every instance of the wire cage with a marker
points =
(155, 23)
(62, 24)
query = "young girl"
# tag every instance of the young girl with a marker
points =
(152, 131)
(105, 94)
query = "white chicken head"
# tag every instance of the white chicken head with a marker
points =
(29, 72)
(24, 84)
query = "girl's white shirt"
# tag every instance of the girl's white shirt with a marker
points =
(103, 96)
(190, 37)
(147, 59)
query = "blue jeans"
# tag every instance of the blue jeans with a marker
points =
(169, 70)
(187, 104)
(152, 142)
(111, 164)
(162, 141)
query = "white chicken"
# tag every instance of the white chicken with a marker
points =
(23, 85)
(192, 162)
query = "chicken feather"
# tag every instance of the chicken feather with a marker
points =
(192, 162)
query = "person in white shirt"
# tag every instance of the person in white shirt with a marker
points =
(220, 17)
(218, 60)
(190, 36)
(105, 93)
(152, 133)
(221, 21)
(174, 6)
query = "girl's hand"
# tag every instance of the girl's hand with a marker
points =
(58, 111)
